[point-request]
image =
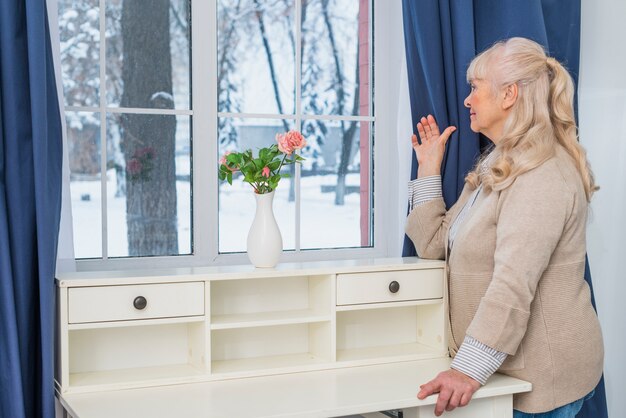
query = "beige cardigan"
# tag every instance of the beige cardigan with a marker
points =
(515, 280)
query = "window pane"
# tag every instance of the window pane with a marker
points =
(236, 203)
(79, 23)
(256, 50)
(336, 186)
(335, 78)
(147, 49)
(83, 140)
(148, 185)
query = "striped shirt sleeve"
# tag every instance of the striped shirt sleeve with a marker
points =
(477, 360)
(424, 189)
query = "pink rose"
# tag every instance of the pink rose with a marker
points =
(266, 172)
(290, 141)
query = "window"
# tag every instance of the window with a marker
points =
(127, 89)
(282, 67)
(154, 95)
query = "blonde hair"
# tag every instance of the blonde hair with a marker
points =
(541, 118)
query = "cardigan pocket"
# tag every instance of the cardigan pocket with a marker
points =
(515, 362)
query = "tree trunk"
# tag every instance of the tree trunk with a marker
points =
(150, 192)
(346, 145)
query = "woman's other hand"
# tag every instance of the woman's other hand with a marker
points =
(429, 153)
(455, 389)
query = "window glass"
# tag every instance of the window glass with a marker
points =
(148, 187)
(83, 138)
(336, 188)
(147, 54)
(256, 54)
(335, 64)
(145, 162)
(236, 202)
(79, 34)
(280, 65)
(333, 202)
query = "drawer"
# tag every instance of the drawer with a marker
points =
(116, 303)
(355, 288)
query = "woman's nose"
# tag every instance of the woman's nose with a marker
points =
(466, 102)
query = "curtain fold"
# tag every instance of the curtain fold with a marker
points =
(439, 41)
(30, 192)
(441, 38)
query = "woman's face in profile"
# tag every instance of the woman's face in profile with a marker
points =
(487, 114)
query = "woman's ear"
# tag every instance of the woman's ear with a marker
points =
(510, 96)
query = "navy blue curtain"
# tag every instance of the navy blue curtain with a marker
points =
(441, 39)
(30, 202)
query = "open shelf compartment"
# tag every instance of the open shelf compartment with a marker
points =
(270, 301)
(136, 356)
(250, 351)
(392, 333)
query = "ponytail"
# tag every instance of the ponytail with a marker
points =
(561, 98)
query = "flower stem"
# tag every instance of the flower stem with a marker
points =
(281, 164)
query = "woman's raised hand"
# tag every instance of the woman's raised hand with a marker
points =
(429, 150)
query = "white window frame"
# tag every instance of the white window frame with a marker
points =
(205, 182)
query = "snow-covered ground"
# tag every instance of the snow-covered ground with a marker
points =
(323, 225)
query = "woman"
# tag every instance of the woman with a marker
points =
(515, 240)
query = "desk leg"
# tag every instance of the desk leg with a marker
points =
(494, 407)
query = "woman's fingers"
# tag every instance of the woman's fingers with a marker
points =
(421, 132)
(434, 128)
(426, 125)
(455, 400)
(465, 399)
(455, 389)
(446, 134)
(428, 389)
(442, 401)
(414, 141)
(428, 129)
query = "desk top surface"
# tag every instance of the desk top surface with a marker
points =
(326, 393)
(121, 277)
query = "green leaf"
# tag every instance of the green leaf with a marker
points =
(285, 176)
(234, 158)
(230, 178)
(248, 168)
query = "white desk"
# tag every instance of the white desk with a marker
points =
(302, 340)
(327, 393)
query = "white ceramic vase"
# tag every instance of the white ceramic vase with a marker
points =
(265, 243)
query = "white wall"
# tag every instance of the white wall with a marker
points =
(602, 111)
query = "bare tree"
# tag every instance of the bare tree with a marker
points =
(259, 11)
(227, 88)
(347, 132)
(314, 130)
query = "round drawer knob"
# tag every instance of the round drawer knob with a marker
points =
(140, 302)
(394, 286)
